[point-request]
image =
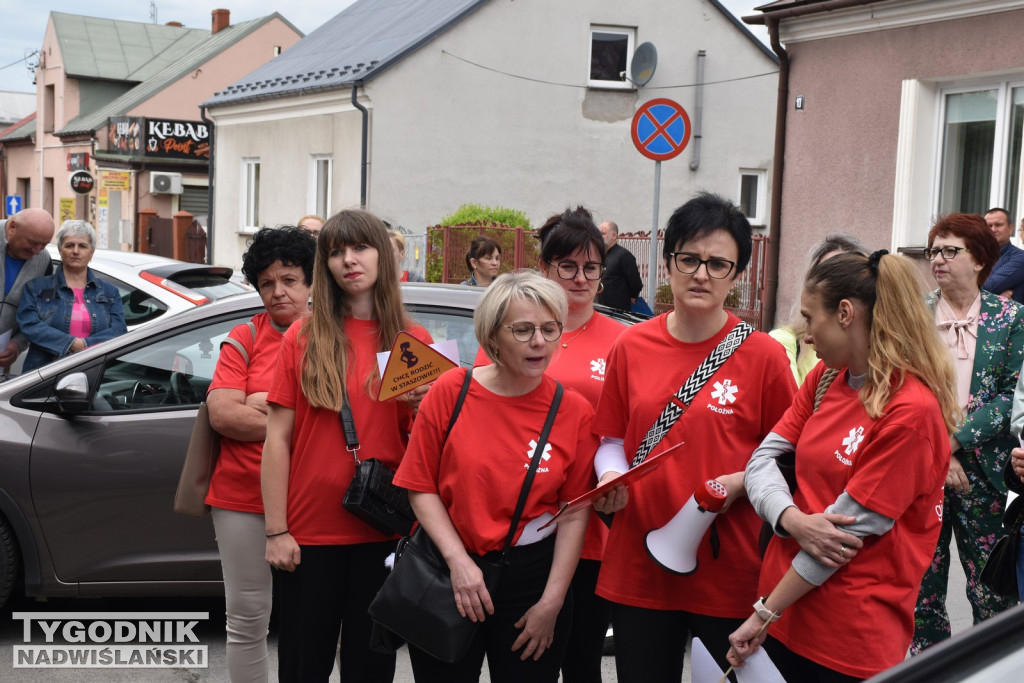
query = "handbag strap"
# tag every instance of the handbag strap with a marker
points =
(542, 441)
(458, 405)
(680, 401)
(348, 423)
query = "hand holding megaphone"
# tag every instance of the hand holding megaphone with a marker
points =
(674, 546)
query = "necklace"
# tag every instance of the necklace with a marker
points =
(565, 342)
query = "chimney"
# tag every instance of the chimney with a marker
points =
(175, 24)
(221, 20)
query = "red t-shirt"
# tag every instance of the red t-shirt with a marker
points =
(481, 470)
(321, 469)
(895, 466)
(581, 366)
(235, 484)
(725, 422)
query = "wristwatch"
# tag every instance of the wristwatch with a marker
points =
(764, 613)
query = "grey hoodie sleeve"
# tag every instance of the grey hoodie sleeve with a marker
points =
(766, 487)
(868, 523)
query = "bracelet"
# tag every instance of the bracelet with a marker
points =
(279, 533)
(765, 614)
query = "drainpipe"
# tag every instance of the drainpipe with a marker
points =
(698, 114)
(778, 165)
(209, 188)
(365, 161)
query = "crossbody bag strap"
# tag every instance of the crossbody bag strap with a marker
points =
(348, 423)
(542, 441)
(458, 405)
(680, 401)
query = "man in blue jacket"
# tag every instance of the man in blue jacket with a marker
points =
(1007, 278)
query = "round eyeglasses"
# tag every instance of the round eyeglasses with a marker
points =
(567, 270)
(523, 332)
(948, 253)
(687, 264)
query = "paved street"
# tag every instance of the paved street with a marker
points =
(211, 634)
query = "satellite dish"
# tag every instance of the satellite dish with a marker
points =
(645, 61)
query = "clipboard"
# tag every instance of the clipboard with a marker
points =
(630, 476)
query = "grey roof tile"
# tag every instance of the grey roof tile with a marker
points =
(355, 45)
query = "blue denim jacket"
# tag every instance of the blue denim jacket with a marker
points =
(44, 316)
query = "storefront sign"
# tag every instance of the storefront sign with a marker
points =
(78, 161)
(177, 139)
(124, 134)
(115, 181)
(81, 182)
(67, 209)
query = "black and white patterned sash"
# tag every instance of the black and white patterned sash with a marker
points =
(681, 399)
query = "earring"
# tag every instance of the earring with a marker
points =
(600, 286)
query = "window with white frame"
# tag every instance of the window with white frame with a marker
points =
(321, 176)
(250, 194)
(611, 48)
(753, 195)
(980, 149)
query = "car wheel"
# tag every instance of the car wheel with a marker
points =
(8, 561)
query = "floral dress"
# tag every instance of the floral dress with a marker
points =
(975, 518)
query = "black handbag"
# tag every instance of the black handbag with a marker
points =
(1000, 571)
(372, 497)
(417, 602)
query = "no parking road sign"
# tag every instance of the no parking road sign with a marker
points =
(661, 129)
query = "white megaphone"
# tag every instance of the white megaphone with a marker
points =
(674, 546)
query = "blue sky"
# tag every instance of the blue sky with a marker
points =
(25, 23)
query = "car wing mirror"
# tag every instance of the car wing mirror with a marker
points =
(72, 392)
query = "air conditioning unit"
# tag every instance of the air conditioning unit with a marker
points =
(165, 183)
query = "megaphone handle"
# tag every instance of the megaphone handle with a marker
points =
(725, 676)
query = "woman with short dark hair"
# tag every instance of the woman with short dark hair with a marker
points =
(707, 245)
(279, 264)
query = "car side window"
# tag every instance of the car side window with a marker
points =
(139, 307)
(172, 372)
(449, 323)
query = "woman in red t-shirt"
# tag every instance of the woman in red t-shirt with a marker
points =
(464, 486)
(707, 245)
(856, 536)
(279, 263)
(330, 563)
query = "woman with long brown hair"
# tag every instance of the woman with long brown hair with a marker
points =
(856, 536)
(330, 563)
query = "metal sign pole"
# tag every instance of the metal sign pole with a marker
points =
(652, 271)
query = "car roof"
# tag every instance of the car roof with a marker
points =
(137, 261)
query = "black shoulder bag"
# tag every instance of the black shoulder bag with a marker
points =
(417, 602)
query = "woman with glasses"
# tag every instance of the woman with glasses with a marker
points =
(707, 245)
(985, 337)
(572, 254)
(464, 494)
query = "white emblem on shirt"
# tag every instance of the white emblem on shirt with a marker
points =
(544, 456)
(597, 366)
(725, 392)
(853, 440)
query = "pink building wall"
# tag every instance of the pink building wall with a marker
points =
(840, 157)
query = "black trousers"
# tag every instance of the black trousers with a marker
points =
(327, 594)
(521, 586)
(650, 644)
(590, 616)
(794, 667)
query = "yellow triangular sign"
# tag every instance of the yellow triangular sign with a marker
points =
(412, 363)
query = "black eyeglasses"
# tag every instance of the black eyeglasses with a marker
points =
(687, 264)
(523, 332)
(592, 270)
(948, 253)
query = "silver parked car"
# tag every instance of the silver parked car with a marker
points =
(91, 447)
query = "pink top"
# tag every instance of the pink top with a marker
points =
(81, 324)
(961, 336)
